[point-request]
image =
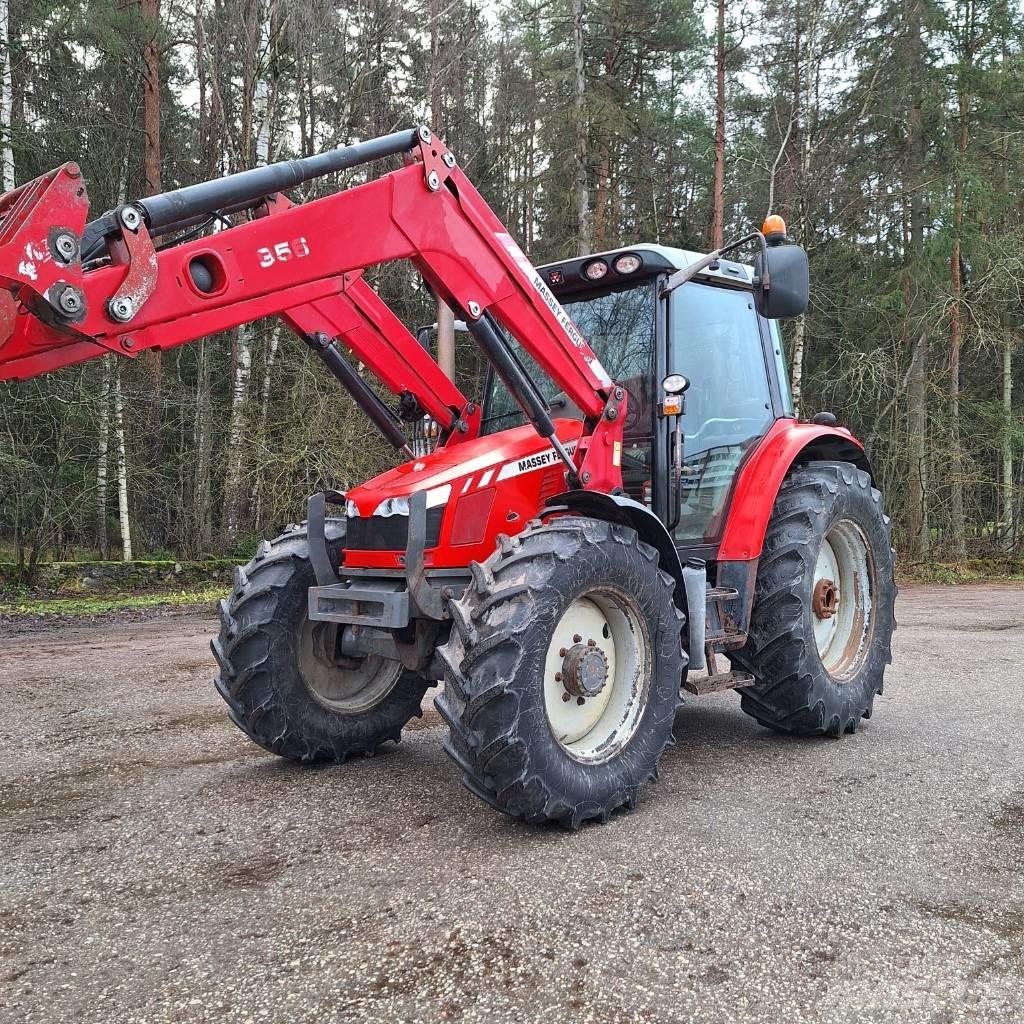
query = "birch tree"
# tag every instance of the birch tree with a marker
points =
(6, 100)
(584, 242)
(256, 113)
(122, 469)
(102, 461)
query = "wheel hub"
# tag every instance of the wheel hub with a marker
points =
(584, 670)
(841, 599)
(597, 674)
(825, 599)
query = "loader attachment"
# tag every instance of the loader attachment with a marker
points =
(71, 290)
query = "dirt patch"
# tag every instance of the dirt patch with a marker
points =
(169, 869)
(1010, 821)
(22, 623)
(249, 874)
(1006, 923)
(430, 720)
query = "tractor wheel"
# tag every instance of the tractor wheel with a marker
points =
(562, 672)
(284, 685)
(823, 610)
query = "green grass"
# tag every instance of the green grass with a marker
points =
(973, 570)
(207, 594)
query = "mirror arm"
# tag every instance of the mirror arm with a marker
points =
(681, 277)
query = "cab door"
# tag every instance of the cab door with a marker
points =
(715, 339)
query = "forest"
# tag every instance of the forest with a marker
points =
(888, 133)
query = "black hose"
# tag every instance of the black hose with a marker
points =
(254, 184)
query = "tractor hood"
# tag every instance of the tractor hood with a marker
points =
(505, 454)
(475, 490)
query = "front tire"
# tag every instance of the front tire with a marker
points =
(279, 674)
(562, 672)
(823, 613)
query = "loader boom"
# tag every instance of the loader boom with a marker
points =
(302, 263)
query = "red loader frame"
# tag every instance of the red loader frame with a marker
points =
(302, 263)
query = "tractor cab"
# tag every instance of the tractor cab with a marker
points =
(707, 330)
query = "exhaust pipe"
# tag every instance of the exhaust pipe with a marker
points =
(695, 581)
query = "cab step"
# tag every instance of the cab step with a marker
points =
(725, 639)
(721, 681)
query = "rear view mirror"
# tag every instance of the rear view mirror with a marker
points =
(782, 286)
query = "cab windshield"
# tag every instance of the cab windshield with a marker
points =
(619, 326)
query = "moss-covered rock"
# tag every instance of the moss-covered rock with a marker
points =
(71, 578)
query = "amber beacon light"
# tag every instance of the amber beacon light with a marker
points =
(774, 229)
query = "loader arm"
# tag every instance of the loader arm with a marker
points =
(365, 324)
(302, 263)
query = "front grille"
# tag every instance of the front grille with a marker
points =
(389, 533)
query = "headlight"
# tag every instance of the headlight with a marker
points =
(392, 507)
(596, 270)
(351, 509)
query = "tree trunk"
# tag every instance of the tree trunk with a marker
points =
(122, 469)
(155, 513)
(1009, 530)
(917, 409)
(797, 372)
(601, 199)
(6, 102)
(151, 97)
(600, 219)
(264, 113)
(957, 526)
(234, 489)
(255, 115)
(203, 444)
(584, 243)
(434, 90)
(102, 459)
(801, 134)
(718, 190)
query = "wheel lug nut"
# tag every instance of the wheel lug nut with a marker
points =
(562, 652)
(558, 677)
(576, 638)
(581, 701)
(591, 643)
(565, 696)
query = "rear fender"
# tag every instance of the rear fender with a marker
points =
(787, 443)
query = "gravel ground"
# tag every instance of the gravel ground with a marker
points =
(156, 866)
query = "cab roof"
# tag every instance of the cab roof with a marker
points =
(567, 276)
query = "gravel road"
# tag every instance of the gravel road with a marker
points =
(155, 866)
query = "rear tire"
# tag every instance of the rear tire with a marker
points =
(283, 686)
(520, 642)
(819, 646)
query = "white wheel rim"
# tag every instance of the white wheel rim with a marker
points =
(841, 596)
(595, 728)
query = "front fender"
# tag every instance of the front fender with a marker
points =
(617, 508)
(787, 443)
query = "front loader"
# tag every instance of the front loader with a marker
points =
(631, 510)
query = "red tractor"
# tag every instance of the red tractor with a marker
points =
(631, 499)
